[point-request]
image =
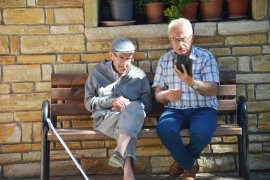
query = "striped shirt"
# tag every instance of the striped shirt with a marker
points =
(204, 68)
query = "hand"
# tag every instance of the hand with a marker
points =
(173, 95)
(119, 103)
(185, 77)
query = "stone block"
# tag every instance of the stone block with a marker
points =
(18, 73)
(145, 66)
(161, 164)
(10, 133)
(93, 144)
(91, 13)
(22, 102)
(97, 57)
(242, 27)
(6, 117)
(132, 32)
(259, 9)
(139, 55)
(253, 78)
(22, 87)
(258, 106)
(155, 54)
(68, 16)
(261, 63)
(27, 129)
(9, 157)
(29, 116)
(151, 151)
(4, 47)
(250, 91)
(220, 51)
(149, 142)
(90, 66)
(259, 161)
(255, 147)
(14, 44)
(28, 170)
(46, 72)
(230, 139)
(36, 136)
(264, 122)
(71, 145)
(36, 59)
(31, 3)
(24, 29)
(99, 46)
(69, 68)
(266, 146)
(224, 148)
(24, 16)
(5, 88)
(52, 44)
(259, 138)
(252, 50)
(246, 40)
(49, 16)
(209, 40)
(16, 148)
(90, 153)
(262, 92)
(266, 49)
(31, 156)
(7, 59)
(43, 87)
(68, 58)
(153, 44)
(12, 3)
(244, 63)
(67, 29)
(227, 63)
(217, 163)
(205, 29)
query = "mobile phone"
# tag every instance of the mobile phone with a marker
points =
(183, 59)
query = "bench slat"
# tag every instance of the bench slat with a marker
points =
(78, 92)
(68, 79)
(79, 109)
(87, 134)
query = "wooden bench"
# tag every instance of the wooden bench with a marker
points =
(67, 96)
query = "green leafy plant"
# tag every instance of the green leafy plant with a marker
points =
(176, 7)
(139, 7)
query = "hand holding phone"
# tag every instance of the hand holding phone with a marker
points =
(183, 59)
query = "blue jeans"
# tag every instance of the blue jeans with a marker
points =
(200, 121)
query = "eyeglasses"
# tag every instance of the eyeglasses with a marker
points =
(176, 39)
(122, 58)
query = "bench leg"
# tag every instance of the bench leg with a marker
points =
(45, 144)
(242, 120)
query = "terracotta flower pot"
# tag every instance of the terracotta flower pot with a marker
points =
(154, 12)
(238, 8)
(211, 10)
(190, 11)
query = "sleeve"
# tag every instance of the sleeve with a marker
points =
(210, 70)
(92, 101)
(159, 77)
(146, 96)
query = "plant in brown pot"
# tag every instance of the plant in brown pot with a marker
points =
(211, 10)
(238, 9)
(182, 8)
(154, 11)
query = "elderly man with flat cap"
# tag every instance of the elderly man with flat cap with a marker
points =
(118, 95)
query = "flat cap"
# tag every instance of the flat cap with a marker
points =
(123, 45)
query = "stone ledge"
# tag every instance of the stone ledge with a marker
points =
(160, 30)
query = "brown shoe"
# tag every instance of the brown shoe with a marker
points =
(175, 170)
(191, 173)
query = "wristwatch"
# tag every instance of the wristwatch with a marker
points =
(195, 85)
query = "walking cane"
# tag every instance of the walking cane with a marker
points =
(66, 148)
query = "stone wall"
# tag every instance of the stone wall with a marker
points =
(41, 37)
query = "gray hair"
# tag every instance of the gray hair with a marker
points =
(181, 22)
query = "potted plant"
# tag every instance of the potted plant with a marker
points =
(238, 9)
(121, 10)
(182, 8)
(139, 11)
(211, 10)
(154, 11)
